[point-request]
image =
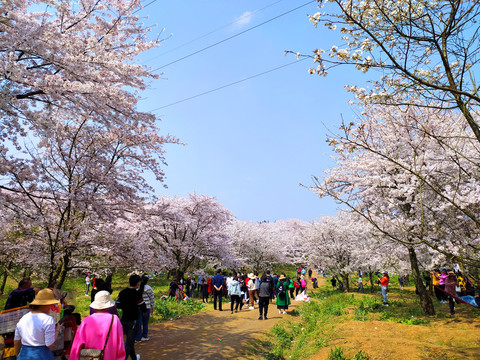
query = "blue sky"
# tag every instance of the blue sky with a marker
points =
(251, 144)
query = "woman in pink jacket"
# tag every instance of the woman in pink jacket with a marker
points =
(93, 331)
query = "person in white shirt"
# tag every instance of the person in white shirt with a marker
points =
(257, 287)
(87, 283)
(251, 289)
(144, 317)
(229, 281)
(36, 331)
(360, 285)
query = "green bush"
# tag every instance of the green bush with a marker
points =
(337, 354)
(360, 356)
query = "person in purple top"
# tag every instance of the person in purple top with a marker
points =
(218, 282)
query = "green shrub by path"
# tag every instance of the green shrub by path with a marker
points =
(337, 354)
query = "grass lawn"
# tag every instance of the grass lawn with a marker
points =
(337, 325)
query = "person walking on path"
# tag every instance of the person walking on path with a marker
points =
(235, 294)
(451, 283)
(218, 282)
(384, 286)
(303, 284)
(275, 282)
(36, 331)
(442, 277)
(257, 286)
(251, 290)
(101, 330)
(204, 287)
(283, 300)
(130, 300)
(291, 287)
(144, 317)
(265, 292)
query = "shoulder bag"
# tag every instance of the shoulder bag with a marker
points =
(95, 354)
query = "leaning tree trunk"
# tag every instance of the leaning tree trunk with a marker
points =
(6, 272)
(4, 282)
(425, 299)
(55, 278)
(63, 271)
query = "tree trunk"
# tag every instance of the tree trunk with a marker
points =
(179, 274)
(4, 282)
(63, 272)
(425, 299)
(54, 275)
(346, 282)
(370, 276)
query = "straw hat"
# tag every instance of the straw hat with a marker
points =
(45, 297)
(282, 277)
(251, 275)
(102, 301)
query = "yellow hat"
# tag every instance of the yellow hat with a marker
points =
(45, 297)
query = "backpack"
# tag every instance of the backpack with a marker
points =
(281, 289)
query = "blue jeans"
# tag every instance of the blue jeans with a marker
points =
(143, 319)
(35, 353)
(384, 294)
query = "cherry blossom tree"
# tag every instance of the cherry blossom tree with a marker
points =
(74, 148)
(344, 244)
(426, 51)
(410, 174)
(188, 232)
(260, 245)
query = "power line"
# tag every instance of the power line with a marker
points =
(233, 36)
(227, 85)
(143, 7)
(211, 32)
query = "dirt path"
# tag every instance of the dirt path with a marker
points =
(207, 335)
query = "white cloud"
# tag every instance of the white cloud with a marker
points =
(243, 19)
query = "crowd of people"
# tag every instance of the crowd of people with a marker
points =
(448, 285)
(104, 333)
(243, 290)
(101, 335)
